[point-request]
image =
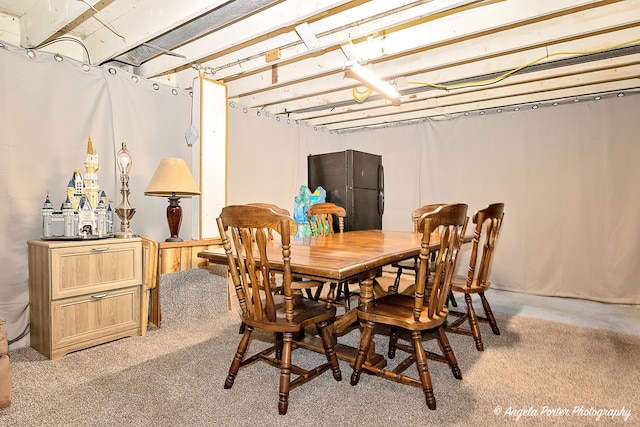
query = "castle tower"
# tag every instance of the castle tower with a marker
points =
(70, 220)
(47, 216)
(75, 188)
(109, 219)
(91, 185)
(101, 218)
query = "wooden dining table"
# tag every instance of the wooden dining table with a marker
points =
(352, 255)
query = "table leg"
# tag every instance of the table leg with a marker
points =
(345, 352)
(366, 290)
(154, 305)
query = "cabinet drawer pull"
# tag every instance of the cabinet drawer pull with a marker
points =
(100, 249)
(99, 296)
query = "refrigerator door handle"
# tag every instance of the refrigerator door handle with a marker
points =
(381, 190)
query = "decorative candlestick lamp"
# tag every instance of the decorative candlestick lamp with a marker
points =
(173, 180)
(124, 210)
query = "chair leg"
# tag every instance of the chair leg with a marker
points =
(309, 293)
(363, 351)
(331, 295)
(423, 369)
(393, 289)
(393, 340)
(489, 314)
(237, 359)
(445, 346)
(329, 350)
(473, 323)
(285, 373)
(347, 296)
(278, 345)
(452, 299)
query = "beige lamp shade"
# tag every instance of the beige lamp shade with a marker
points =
(172, 178)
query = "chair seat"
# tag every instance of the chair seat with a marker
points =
(459, 284)
(300, 283)
(397, 310)
(305, 312)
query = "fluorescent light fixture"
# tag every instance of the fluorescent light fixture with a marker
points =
(366, 77)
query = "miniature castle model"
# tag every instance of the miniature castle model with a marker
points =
(86, 212)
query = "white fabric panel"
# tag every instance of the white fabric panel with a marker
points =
(48, 109)
(565, 174)
(270, 151)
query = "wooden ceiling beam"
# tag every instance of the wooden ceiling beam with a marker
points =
(47, 17)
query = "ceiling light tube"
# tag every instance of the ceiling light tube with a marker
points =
(366, 77)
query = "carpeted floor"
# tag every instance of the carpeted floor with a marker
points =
(536, 372)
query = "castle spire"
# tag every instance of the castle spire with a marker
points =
(90, 149)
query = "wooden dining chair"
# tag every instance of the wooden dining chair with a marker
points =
(321, 222)
(244, 234)
(411, 264)
(425, 310)
(488, 222)
(298, 284)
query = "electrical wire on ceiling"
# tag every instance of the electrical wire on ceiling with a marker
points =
(362, 94)
(515, 70)
(67, 39)
(107, 25)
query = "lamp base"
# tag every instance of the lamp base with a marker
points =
(125, 235)
(174, 218)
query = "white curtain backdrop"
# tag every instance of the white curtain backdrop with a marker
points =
(48, 109)
(567, 174)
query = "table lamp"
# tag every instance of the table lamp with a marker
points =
(173, 180)
(124, 210)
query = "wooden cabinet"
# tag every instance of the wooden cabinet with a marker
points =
(83, 293)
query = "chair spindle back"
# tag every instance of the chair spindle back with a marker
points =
(245, 236)
(320, 217)
(488, 222)
(446, 223)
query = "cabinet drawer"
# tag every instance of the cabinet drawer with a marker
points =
(78, 270)
(96, 318)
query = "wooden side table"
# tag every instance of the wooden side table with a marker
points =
(172, 258)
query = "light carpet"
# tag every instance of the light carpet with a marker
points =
(535, 373)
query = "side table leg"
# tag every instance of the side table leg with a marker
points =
(154, 305)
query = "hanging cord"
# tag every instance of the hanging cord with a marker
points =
(361, 94)
(67, 39)
(107, 25)
(24, 333)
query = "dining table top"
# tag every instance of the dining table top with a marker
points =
(340, 256)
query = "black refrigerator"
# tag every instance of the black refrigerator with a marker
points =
(353, 180)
